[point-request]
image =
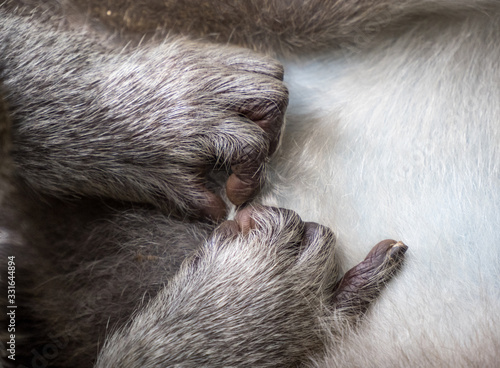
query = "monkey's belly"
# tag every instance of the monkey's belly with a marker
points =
(402, 141)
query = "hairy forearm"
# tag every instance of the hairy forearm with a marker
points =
(274, 26)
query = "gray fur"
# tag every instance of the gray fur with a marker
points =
(263, 298)
(276, 26)
(246, 300)
(81, 278)
(98, 119)
(79, 107)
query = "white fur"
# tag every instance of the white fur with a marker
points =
(402, 140)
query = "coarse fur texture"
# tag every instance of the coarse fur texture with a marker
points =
(200, 113)
(113, 150)
(261, 297)
(393, 132)
(263, 289)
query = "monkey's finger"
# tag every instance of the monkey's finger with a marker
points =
(361, 284)
(245, 182)
(247, 178)
(272, 220)
(242, 147)
(271, 123)
(237, 58)
(268, 113)
(244, 219)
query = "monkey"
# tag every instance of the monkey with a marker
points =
(397, 134)
(132, 192)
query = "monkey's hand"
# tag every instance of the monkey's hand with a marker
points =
(182, 109)
(145, 125)
(263, 288)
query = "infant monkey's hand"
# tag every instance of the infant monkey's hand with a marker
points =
(200, 107)
(261, 292)
(147, 125)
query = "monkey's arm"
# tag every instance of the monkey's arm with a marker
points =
(271, 25)
(142, 125)
(83, 268)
